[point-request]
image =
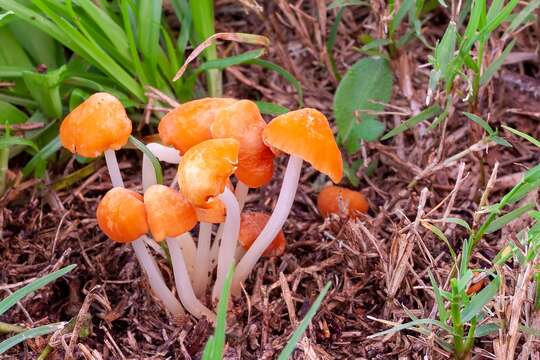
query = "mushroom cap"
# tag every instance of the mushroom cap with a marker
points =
(189, 124)
(332, 199)
(306, 133)
(215, 214)
(169, 213)
(121, 215)
(205, 168)
(100, 123)
(251, 225)
(242, 121)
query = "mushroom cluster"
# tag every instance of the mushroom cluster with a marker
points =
(211, 140)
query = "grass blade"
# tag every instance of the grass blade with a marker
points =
(527, 137)
(425, 114)
(8, 141)
(230, 61)
(155, 162)
(479, 300)
(496, 65)
(299, 332)
(29, 334)
(331, 42)
(43, 154)
(12, 299)
(148, 26)
(271, 109)
(500, 222)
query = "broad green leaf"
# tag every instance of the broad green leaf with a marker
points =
(425, 114)
(10, 114)
(368, 80)
(42, 48)
(9, 141)
(350, 171)
(480, 299)
(153, 159)
(148, 26)
(498, 223)
(45, 89)
(299, 332)
(271, 109)
(495, 65)
(37, 284)
(284, 74)
(29, 334)
(481, 122)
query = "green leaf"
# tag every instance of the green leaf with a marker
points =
(486, 329)
(522, 16)
(10, 114)
(479, 300)
(331, 41)
(438, 233)
(284, 74)
(425, 114)
(495, 65)
(441, 309)
(42, 156)
(153, 159)
(351, 171)
(11, 52)
(481, 122)
(149, 23)
(342, 3)
(368, 80)
(6, 17)
(29, 334)
(226, 62)
(271, 109)
(45, 89)
(459, 222)
(8, 141)
(498, 223)
(42, 48)
(37, 284)
(299, 332)
(525, 136)
(400, 15)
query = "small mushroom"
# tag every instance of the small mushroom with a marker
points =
(202, 177)
(305, 135)
(122, 217)
(242, 121)
(189, 124)
(98, 125)
(170, 217)
(336, 199)
(251, 225)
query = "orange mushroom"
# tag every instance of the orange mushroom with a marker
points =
(251, 225)
(189, 124)
(98, 125)
(170, 217)
(122, 216)
(334, 199)
(305, 135)
(202, 177)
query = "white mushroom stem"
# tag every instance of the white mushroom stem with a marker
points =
(146, 260)
(114, 168)
(229, 239)
(273, 226)
(155, 279)
(183, 283)
(214, 251)
(201, 276)
(163, 153)
(241, 192)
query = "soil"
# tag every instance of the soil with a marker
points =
(378, 264)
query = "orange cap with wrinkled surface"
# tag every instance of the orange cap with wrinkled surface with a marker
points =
(169, 213)
(204, 170)
(251, 225)
(243, 122)
(332, 199)
(100, 123)
(121, 215)
(306, 133)
(189, 124)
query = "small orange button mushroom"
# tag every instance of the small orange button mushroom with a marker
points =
(170, 217)
(243, 121)
(251, 225)
(189, 124)
(336, 199)
(98, 125)
(121, 215)
(305, 135)
(202, 177)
